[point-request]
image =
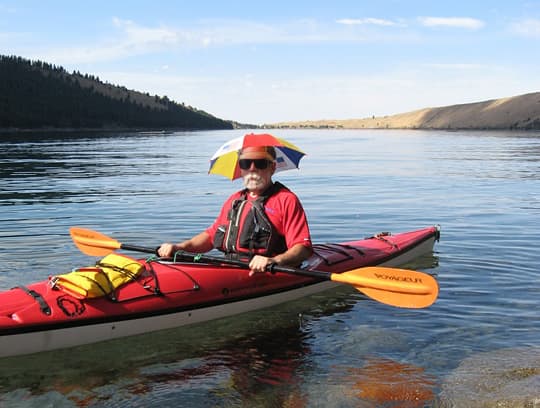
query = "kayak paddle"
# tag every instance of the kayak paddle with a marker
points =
(392, 286)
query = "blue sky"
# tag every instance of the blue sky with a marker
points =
(264, 62)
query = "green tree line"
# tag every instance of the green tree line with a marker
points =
(36, 94)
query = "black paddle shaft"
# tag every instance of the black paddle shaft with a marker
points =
(195, 258)
(187, 256)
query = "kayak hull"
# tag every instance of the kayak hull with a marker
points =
(188, 293)
(32, 342)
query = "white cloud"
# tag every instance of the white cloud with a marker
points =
(7, 9)
(365, 21)
(133, 39)
(143, 36)
(456, 22)
(528, 28)
(459, 66)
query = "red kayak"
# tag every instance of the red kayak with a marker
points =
(46, 316)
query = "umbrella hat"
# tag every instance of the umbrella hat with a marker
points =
(225, 161)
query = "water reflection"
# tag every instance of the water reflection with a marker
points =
(509, 156)
(243, 371)
(80, 158)
(58, 168)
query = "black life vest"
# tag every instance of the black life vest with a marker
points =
(256, 235)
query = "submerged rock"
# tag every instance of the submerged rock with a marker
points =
(388, 383)
(507, 378)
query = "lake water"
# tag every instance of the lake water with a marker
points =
(337, 349)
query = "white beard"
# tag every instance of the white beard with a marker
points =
(254, 182)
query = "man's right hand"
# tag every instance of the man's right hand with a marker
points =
(166, 250)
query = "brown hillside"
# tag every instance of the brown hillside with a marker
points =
(517, 112)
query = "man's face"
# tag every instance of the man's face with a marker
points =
(258, 176)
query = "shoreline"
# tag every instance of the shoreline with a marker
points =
(104, 130)
(519, 113)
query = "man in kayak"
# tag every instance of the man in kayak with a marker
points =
(265, 222)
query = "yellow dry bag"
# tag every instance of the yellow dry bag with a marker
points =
(101, 280)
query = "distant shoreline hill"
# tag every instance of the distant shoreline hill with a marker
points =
(517, 112)
(35, 95)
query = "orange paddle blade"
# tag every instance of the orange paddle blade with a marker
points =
(93, 243)
(392, 286)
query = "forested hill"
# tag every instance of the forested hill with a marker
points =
(36, 95)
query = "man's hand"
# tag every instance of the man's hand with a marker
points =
(166, 250)
(259, 264)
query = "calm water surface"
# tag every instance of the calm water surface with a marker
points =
(334, 349)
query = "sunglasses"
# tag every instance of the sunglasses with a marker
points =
(261, 164)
